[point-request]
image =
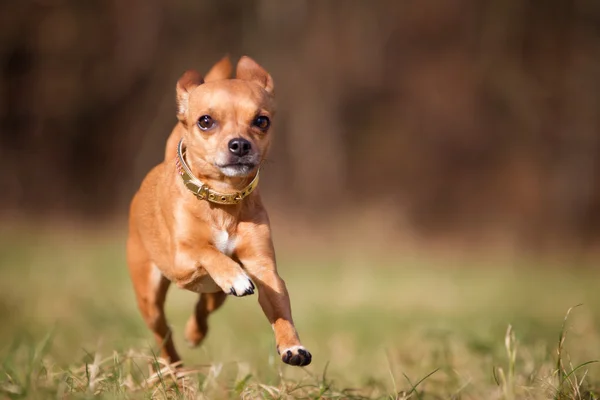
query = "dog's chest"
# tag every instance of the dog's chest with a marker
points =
(224, 242)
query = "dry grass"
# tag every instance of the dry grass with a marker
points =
(393, 330)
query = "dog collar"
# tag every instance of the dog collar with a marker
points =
(201, 190)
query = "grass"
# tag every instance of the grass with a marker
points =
(400, 329)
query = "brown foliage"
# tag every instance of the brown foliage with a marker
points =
(458, 115)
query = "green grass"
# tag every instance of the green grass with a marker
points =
(409, 328)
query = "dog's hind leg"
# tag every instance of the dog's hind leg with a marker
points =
(151, 291)
(197, 325)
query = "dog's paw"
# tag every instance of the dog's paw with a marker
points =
(195, 332)
(295, 355)
(240, 286)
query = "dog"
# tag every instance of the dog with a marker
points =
(198, 220)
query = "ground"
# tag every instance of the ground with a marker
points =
(419, 328)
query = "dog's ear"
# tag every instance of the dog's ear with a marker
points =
(221, 70)
(188, 82)
(249, 70)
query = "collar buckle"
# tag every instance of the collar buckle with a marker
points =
(203, 192)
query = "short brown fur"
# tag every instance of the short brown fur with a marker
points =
(176, 237)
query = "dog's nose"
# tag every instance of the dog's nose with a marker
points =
(240, 147)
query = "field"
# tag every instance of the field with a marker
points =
(418, 328)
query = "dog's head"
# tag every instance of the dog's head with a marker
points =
(228, 121)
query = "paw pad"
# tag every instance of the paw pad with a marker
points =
(298, 356)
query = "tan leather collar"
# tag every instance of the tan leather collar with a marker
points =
(202, 191)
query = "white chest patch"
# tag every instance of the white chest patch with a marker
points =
(223, 242)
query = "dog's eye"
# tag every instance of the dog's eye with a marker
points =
(262, 122)
(206, 122)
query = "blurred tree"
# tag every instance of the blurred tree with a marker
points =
(458, 117)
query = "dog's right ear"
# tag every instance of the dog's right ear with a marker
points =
(188, 82)
(221, 70)
(249, 70)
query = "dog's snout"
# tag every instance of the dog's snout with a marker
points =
(239, 146)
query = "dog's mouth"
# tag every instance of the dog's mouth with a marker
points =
(237, 169)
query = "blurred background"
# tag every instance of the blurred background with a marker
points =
(407, 132)
(449, 122)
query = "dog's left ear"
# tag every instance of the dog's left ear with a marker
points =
(188, 82)
(249, 70)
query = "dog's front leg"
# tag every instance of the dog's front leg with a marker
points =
(275, 302)
(259, 261)
(192, 264)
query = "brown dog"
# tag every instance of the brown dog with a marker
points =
(198, 220)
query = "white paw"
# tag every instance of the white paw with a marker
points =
(241, 286)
